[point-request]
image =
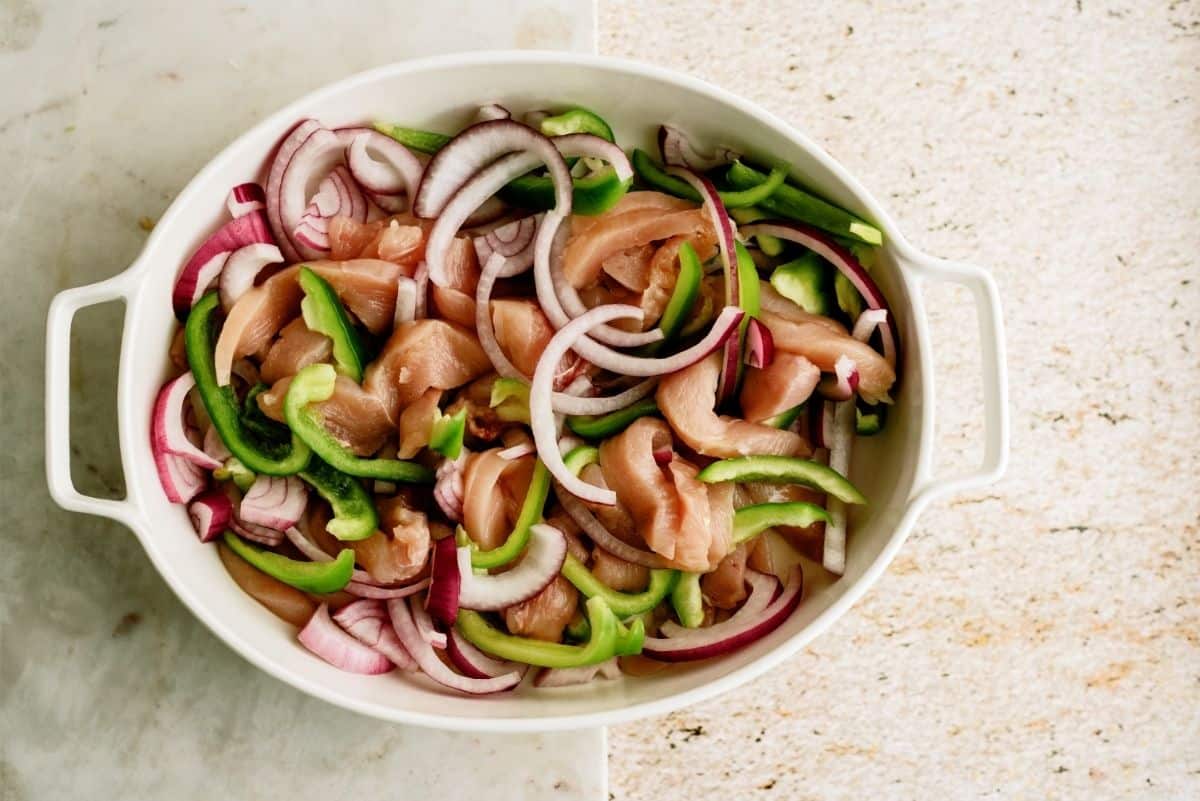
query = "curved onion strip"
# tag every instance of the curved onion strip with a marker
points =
(242, 267)
(677, 149)
(306, 546)
(514, 241)
(327, 640)
(867, 322)
(600, 535)
(396, 171)
(824, 246)
(245, 198)
(762, 591)
(432, 665)
(317, 156)
(424, 625)
(167, 429)
(275, 502)
(539, 565)
(363, 590)
(475, 663)
(283, 157)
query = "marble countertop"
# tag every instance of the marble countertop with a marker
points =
(1040, 638)
(1037, 639)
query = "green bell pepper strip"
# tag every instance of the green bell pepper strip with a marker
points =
(630, 638)
(253, 418)
(592, 194)
(222, 404)
(601, 643)
(785, 418)
(770, 245)
(657, 177)
(414, 138)
(317, 577)
(580, 457)
(784, 469)
(235, 471)
(447, 432)
(750, 521)
(354, 515)
(623, 604)
(806, 281)
(531, 512)
(687, 601)
(578, 629)
(510, 399)
(683, 296)
(577, 120)
(869, 423)
(796, 204)
(848, 298)
(316, 383)
(324, 313)
(592, 427)
(751, 295)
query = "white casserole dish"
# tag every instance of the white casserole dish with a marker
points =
(894, 469)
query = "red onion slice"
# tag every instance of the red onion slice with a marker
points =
(242, 269)
(206, 264)
(391, 204)
(428, 660)
(539, 565)
(181, 479)
(448, 486)
(735, 633)
(834, 555)
(284, 154)
(275, 502)
(214, 446)
(327, 640)
(167, 429)
(512, 240)
(492, 111)
(337, 196)
(475, 663)
(572, 335)
(245, 198)
(368, 622)
(676, 149)
(444, 582)
(312, 161)
(306, 546)
(760, 345)
(567, 677)
(425, 627)
(254, 532)
(600, 535)
(867, 322)
(763, 590)
(517, 451)
(210, 514)
(381, 165)
(820, 422)
(827, 248)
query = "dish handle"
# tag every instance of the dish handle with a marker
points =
(58, 399)
(995, 377)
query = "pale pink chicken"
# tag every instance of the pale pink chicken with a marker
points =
(821, 345)
(366, 287)
(774, 303)
(664, 270)
(416, 422)
(350, 239)
(705, 519)
(614, 518)
(522, 331)
(642, 488)
(287, 602)
(630, 267)
(687, 399)
(453, 305)
(296, 348)
(629, 202)
(422, 355)
(456, 300)
(785, 383)
(400, 551)
(617, 573)
(352, 416)
(545, 615)
(586, 252)
(492, 492)
(725, 587)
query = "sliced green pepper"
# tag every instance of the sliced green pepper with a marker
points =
(510, 399)
(317, 577)
(784, 469)
(869, 422)
(577, 120)
(316, 383)
(654, 175)
(770, 245)
(592, 194)
(233, 470)
(257, 422)
(623, 604)
(414, 138)
(222, 404)
(796, 204)
(848, 298)
(683, 296)
(785, 418)
(578, 629)
(446, 434)
(531, 512)
(354, 515)
(601, 644)
(750, 521)
(807, 282)
(324, 313)
(630, 638)
(748, 289)
(580, 457)
(604, 426)
(687, 601)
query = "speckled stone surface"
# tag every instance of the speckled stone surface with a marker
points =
(1041, 638)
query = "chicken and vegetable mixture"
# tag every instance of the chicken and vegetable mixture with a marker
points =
(513, 399)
